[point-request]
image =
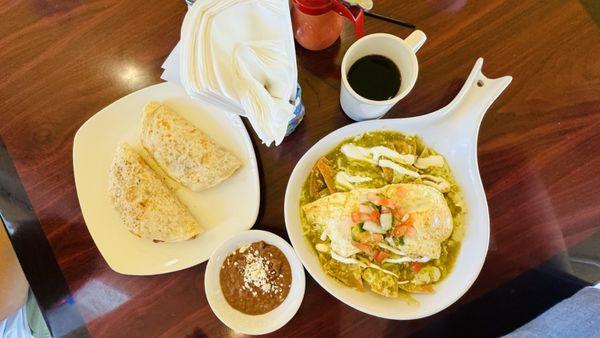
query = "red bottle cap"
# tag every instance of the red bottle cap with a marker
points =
(318, 7)
(313, 7)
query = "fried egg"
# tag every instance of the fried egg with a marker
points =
(431, 217)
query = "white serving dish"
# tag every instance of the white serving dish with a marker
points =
(452, 131)
(223, 210)
(241, 322)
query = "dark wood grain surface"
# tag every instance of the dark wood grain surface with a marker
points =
(62, 61)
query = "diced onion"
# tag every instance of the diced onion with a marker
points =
(386, 221)
(373, 227)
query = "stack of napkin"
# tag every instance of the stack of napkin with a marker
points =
(240, 56)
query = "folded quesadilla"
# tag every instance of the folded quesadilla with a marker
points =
(184, 152)
(146, 205)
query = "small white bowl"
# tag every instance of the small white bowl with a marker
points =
(241, 322)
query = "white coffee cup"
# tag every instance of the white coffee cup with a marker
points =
(401, 52)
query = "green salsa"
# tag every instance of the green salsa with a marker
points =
(397, 279)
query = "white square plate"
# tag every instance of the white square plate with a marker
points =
(222, 211)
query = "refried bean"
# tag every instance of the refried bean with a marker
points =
(255, 279)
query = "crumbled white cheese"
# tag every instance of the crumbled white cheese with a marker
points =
(255, 274)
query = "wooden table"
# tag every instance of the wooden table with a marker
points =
(62, 61)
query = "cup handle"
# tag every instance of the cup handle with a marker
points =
(354, 13)
(416, 39)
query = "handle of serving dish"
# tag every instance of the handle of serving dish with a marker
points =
(462, 117)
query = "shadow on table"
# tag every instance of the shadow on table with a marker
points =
(593, 8)
(524, 298)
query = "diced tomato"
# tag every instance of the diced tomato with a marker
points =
(364, 247)
(387, 202)
(415, 267)
(374, 216)
(372, 238)
(381, 200)
(356, 217)
(405, 228)
(398, 213)
(410, 231)
(376, 238)
(399, 230)
(383, 255)
(379, 256)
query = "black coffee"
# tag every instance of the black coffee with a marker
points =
(375, 77)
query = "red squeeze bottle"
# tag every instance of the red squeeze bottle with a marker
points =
(318, 23)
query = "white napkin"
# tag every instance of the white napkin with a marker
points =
(239, 55)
